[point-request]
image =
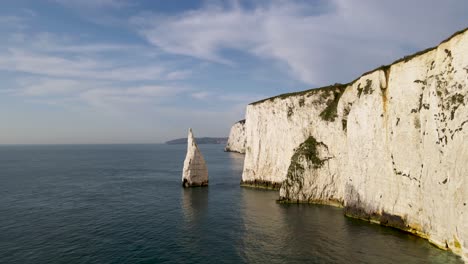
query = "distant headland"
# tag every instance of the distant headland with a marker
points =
(202, 140)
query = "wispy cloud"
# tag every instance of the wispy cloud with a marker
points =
(16, 22)
(237, 98)
(159, 68)
(62, 70)
(94, 3)
(50, 42)
(201, 33)
(47, 87)
(201, 95)
(64, 57)
(82, 67)
(11, 19)
(100, 94)
(108, 97)
(336, 43)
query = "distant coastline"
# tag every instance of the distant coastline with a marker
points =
(202, 140)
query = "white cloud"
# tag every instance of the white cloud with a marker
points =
(47, 87)
(112, 98)
(60, 70)
(201, 33)
(98, 73)
(11, 19)
(63, 56)
(25, 61)
(241, 98)
(47, 42)
(17, 21)
(318, 47)
(201, 95)
(231, 98)
(94, 93)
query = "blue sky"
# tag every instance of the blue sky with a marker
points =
(121, 71)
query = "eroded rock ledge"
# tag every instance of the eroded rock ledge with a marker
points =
(261, 184)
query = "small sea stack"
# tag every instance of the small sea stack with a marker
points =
(195, 172)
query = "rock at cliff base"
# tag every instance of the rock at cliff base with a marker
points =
(195, 172)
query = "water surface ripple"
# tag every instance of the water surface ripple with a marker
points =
(125, 204)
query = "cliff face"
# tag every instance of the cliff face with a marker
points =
(274, 128)
(391, 147)
(236, 141)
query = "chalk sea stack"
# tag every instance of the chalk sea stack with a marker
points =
(195, 172)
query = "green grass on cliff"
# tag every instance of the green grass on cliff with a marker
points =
(306, 92)
(308, 150)
(330, 112)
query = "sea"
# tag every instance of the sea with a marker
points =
(125, 204)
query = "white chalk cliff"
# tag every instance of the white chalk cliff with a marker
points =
(236, 141)
(390, 147)
(195, 172)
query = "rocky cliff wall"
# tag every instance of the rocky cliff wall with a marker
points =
(391, 147)
(236, 141)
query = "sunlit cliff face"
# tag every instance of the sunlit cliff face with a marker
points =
(390, 146)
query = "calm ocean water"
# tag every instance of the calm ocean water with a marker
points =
(125, 204)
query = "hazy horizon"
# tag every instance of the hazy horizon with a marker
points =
(143, 72)
(106, 143)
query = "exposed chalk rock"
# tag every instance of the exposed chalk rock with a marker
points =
(195, 172)
(236, 141)
(391, 146)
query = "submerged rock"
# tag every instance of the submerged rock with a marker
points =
(195, 172)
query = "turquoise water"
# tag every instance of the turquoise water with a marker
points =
(125, 204)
